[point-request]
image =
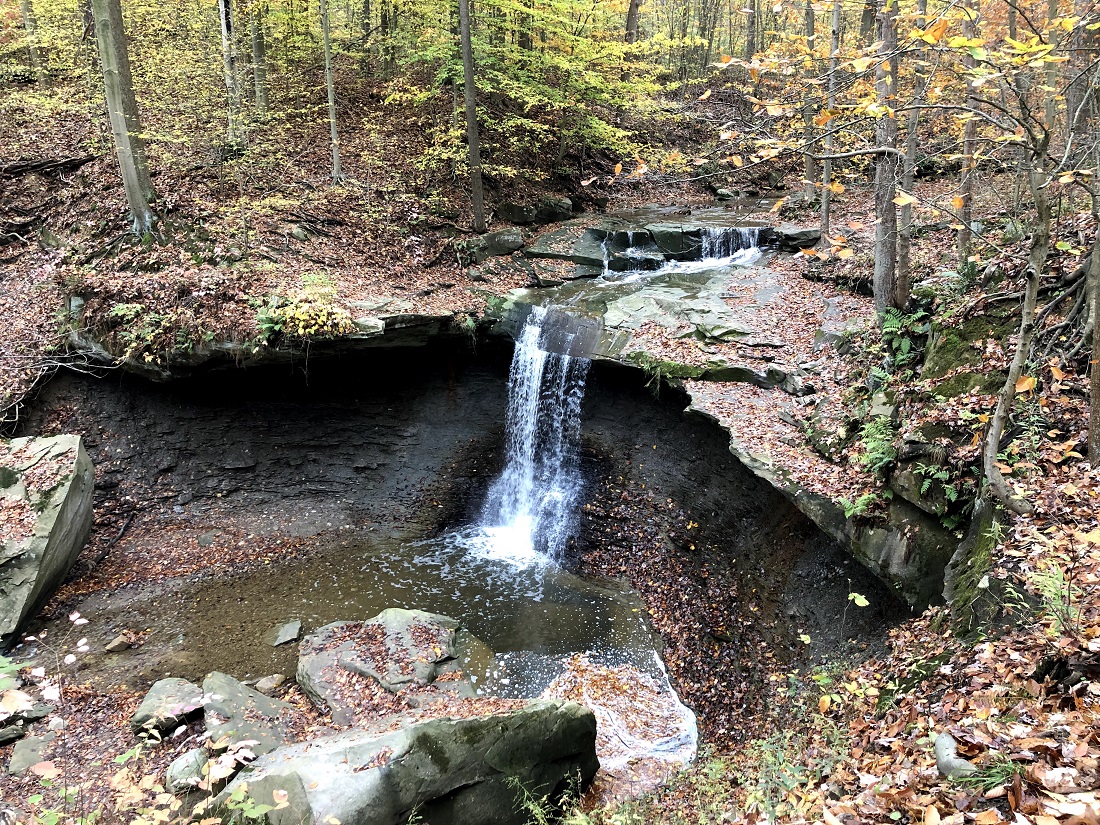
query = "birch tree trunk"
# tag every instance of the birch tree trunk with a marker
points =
(259, 57)
(114, 60)
(886, 166)
(30, 23)
(229, 67)
(477, 191)
(905, 218)
(334, 135)
(830, 104)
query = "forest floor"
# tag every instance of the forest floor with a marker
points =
(1020, 695)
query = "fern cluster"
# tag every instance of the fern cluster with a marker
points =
(877, 439)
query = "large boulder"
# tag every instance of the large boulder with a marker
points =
(443, 770)
(500, 242)
(46, 487)
(398, 650)
(169, 703)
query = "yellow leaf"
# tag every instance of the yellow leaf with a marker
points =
(823, 704)
(845, 252)
(776, 109)
(958, 202)
(704, 95)
(1025, 383)
(904, 199)
(823, 117)
(836, 187)
(618, 168)
(737, 161)
(1057, 373)
(862, 64)
(778, 205)
(1066, 178)
(931, 815)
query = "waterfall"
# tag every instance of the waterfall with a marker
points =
(528, 513)
(726, 241)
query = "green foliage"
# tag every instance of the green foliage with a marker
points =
(860, 506)
(998, 771)
(1050, 594)
(904, 335)
(305, 317)
(877, 439)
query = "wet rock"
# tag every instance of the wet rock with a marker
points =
(284, 633)
(31, 568)
(29, 752)
(724, 195)
(790, 238)
(445, 770)
(169, 703)
(185, 772)
(11, 733)
(236, 713)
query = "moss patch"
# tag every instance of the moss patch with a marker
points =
(954, 347)
(8, 477)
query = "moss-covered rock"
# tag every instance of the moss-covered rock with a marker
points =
(959, 346)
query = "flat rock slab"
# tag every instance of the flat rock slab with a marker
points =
(168, 704)
(406, 651)
(443, 770)
(236, 713)
(29, 752)
(284, 634)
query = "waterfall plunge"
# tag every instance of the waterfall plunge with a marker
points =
(529, 512)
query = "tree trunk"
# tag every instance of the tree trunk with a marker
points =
(905, 218)
(1094, 380)
(326, 39)
(632, 21)
(229, 66)
(830, 104)
(886, 166)
(810, 171)
(867, 19)
(259, 57)
(118, 86)
(1040, 248)
(1093, 286)
(477, 192)
(970, 135)
(750, 29)
(30, 23)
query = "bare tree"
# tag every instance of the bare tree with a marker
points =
(334, 135)
(477, 191)
(229, 67)
(114, 60)
(256, 14)
(886, 165)
(30, 23)
(830, 104)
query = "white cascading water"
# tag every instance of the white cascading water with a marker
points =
(726, 242)
(529, 512)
